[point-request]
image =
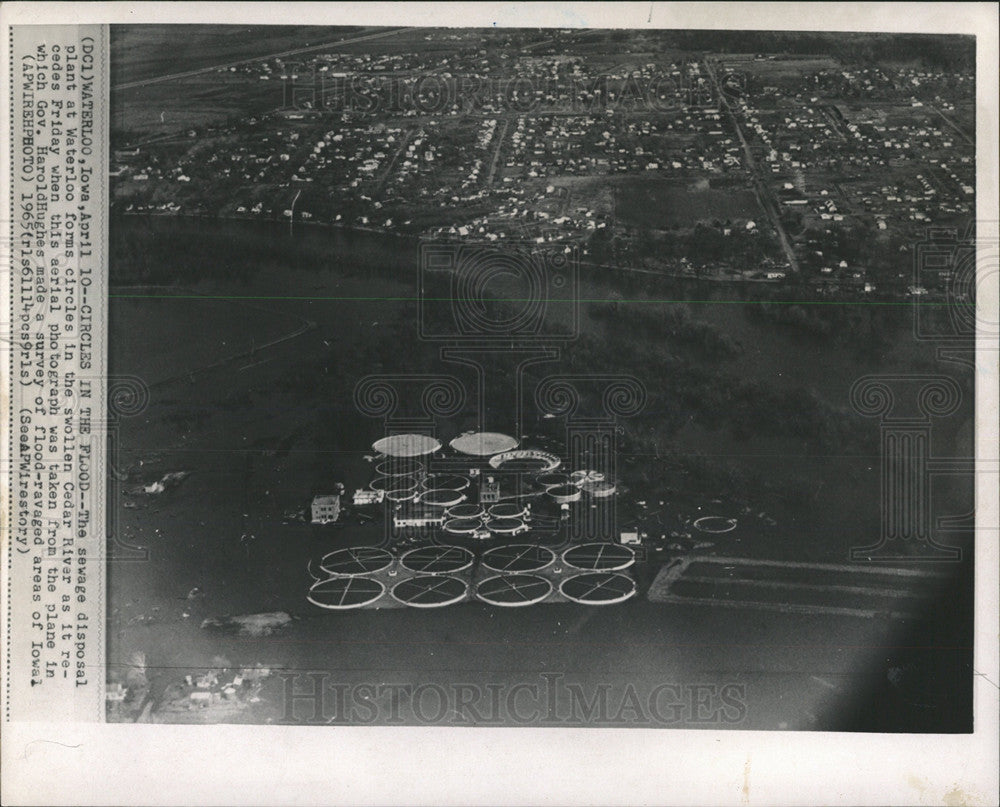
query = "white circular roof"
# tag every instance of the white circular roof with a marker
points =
(484, 444)
(406, 445)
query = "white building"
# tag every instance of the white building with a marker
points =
(417, 517)
(325, 509)
(363, 496)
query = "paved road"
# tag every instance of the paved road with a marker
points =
(763, 193)
(954, 126)
(500, 136)
(280, 55)
(386, 173)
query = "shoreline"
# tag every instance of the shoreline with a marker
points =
(357, 228)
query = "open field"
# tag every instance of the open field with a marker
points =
(780, 68)
(175, 106)
(140, 52)
(666, 204)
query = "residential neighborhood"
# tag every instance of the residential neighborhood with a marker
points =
(771, 167)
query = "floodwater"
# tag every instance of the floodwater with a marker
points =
(244, 354)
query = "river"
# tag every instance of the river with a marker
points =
(259, 428)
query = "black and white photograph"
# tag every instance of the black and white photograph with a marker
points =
(570, 376)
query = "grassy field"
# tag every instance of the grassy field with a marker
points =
(668, 204)
(175, 106)
(782, 68)
(148, 52)
(140, 52)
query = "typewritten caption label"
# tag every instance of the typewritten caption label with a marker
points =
(55, 552)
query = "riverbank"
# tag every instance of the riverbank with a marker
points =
(854, 294)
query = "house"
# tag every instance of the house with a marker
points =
(325, 509)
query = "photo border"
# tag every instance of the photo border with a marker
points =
(57, 763)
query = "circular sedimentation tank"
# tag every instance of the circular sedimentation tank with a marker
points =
(405, 482)
(446, 481)
(399, 467)
(563, 494)
(345, 593)
(513, 590)
(518, 558)
(355, 560)
(462, 526)
(429, 591)
(598, 588)
(483, 444)
(599, 490)
(508, 510)
(604, 557)
(715, 525)
(506, 526)
(406, 445)
(584, 477)
(551, 480)
(441, 497)
(466, 511)
(437, 560)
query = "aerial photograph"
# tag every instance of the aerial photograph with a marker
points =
(541, 377)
